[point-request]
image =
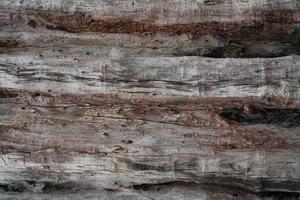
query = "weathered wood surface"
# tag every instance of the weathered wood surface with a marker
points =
(185, 99)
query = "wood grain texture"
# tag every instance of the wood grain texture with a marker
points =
(115, 71)
(185, 99)
(111, 142)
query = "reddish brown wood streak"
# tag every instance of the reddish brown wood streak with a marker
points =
(230, 134)
(272, 25)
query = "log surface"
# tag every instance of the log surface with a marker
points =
(181, 99)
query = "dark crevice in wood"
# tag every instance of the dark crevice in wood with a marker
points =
(12, 187)
(8, 94)
(43, 187)
(257, 113)
(236, 52)
(222, 185)
(232, 186)
(145, 167)
(275, 195)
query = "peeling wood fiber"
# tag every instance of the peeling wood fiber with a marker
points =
(173, 99)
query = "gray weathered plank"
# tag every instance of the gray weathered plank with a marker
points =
(185, 99)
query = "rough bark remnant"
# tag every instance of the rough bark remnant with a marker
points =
(186, 99)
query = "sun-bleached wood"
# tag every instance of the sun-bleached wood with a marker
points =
(185, 99)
